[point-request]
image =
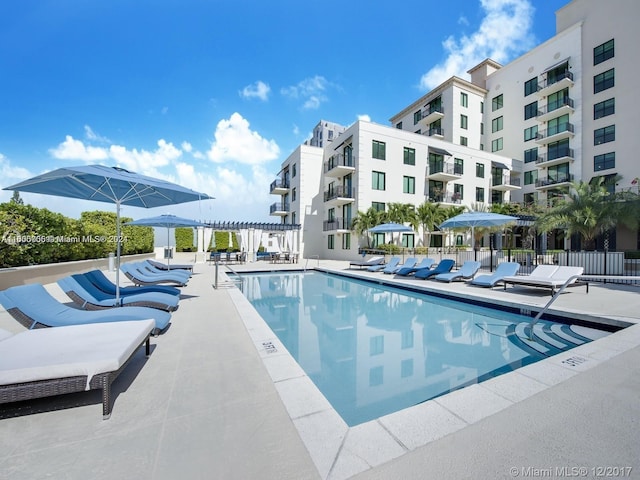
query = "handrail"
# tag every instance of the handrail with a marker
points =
(569, 281)
(215, 283)
(307, 262)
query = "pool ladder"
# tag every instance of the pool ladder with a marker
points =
(236, 281)
(317, 257)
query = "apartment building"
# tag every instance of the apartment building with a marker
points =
(324, 133)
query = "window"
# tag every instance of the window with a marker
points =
(496, 145)
(378, 206)
(464, 141)
(409, 156)
(604, 80)
(330, 242)
(604, 135)
(376, 345)
(458, 166)
(346, 241)
(559, 124)
(559, 149)
(603, 52)
(531, 198)
(530, 177)
(530, 86)
(417, 116)
(293, 218)
(531, 155)
(480, 194)
(378, 239)
(497, 103)
(406, 366)
(464, 99)
(293, 194)
(331, 214)
(530, 133)
(530, 110)
(293, 171)
(481, 107)
(379, 150)
(602, 109)
(482, 146)
(464, 121)
(399, 125)
(408, 240)
(496, 124)
(480, 170)
(408, 184)
(481, 128)
(377, 180)
(406, 339)
(604, 161)
(330, 137)
(458, 192)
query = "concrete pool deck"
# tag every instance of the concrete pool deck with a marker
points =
(215, 401)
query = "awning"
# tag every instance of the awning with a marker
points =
(555, 65)
(500, 165)
(438, 151)
(608, 179)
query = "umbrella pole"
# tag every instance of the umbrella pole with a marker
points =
(117, 253)
(169, 251)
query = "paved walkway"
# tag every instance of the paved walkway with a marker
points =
(205, 405)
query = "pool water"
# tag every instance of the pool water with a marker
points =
(373, 349)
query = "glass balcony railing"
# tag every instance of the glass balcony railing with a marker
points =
(339, 192)
(338, 160)
(336, 224)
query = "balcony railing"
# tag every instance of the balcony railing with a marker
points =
(544, 182)
(550, 107)
(276, 184)
(556, 78)
(436, 131)
(339, 192)
(560, 153)
(338, 160)
(431, 109)
(549, 132)
(279, 207)
(505, 180)
(336, 224)
(448, 168)
(445, 198)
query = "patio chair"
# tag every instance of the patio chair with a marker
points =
(89, 297)
(551, 277)
(426, 263)
(408, 263)
(367, 263)
(467, 271)
(34, 307)
(53, 361)
(443, 267)
(171, 267)
(504, 269)
(393, 263)
(100, 280)
(139, 277)
(145, 267)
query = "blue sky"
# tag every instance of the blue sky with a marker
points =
(215, 94)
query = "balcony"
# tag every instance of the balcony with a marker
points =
(279, 209)
(505, 183)
(554, 182)
(555, 134)
(448, 198)
(444, 172)
(279, 187)
(340, 195)
(339, 165)
(431, 114)
(559, 82)
(337, 224)
(555, 109)
(563, 155)
(436, 132)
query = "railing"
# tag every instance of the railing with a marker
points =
(505, 180)
(308, 258)
(339, 192)
(278, 184)
(336, 224)
(557, 78)
(550, 132)
(443, 167)
(436, 131)
(432, 109)
(550, 107)
(279, 207)
(547, 157)
(338, 160)
(543, 182)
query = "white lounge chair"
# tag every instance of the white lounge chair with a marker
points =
(546, 276)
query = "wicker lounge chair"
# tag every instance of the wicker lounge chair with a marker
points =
(505, 269)
(139, 277)
(425, 263)
(53, 361)
(551, 276)
(443, 267)
(100, 280)
(408, 263)
(164, 266)
(367, 263)
(34, 307)
(88, 296)
(467, 271)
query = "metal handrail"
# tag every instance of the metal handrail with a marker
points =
(237, 281)
(307, 262)
(569, 281)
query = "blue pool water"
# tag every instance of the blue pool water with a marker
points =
(373, 349)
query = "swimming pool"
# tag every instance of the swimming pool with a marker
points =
(373, 349)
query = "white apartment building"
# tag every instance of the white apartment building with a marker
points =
(324, 133)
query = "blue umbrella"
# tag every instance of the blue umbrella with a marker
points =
(168, 221)
(110, 185)
(390, 228)
(477, 219)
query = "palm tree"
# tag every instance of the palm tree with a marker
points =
(402, 213)
(363, 221)
(429, 215)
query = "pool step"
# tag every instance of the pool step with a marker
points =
(551, 339)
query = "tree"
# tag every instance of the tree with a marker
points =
(363, 221)
(15, 198)
(429, 215)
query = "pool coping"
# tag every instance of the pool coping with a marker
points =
(339, 451)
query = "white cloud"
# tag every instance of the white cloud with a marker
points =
(144, 161)
(11, 174)
(72, 149)
(235, 141)
(312, 90)
(258, 89)
(504, 33)
(364, 117)
(186, 146)
(296, 130)
(93, 136)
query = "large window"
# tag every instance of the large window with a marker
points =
(464, 121)
(379, 150)
(496, 145)
(530, 133)
(497, 103)
(602, 109)
(604, 80)
(480, 194)
(458, 166)
(531, 110)
(603, 52)
(530, 86)
(559, 149)
(409, 156)
(378, 206)
(408, 184)
(417, 116)
(530, 177)
(604, 161)
(497, 124)
(480, 170)
(293, 171)
(464, 99)
(464, 141)
(458, 191)
(377, 180)
(346, 241)
(531, 155)
(604, 135)
(558, 125)
(331, 242)
(408, 240)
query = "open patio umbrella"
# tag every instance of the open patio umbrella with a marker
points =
(167, 221)
(111, 185)
(477, 219)
(390, 227)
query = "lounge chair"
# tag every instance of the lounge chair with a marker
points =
(367, 263)
(505, 269)
(164, 266)
(408, 263)
(393, 263)
(551, 276)
(86, 295)
(147, 268)
(52, 361)
(139, 277)
(100, 280)
(34, 307)
(467, 271)
(443, 267)
(425, 263)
